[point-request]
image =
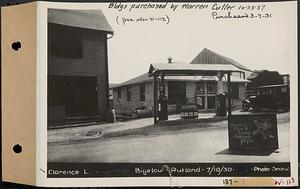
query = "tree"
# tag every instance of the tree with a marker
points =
(265, 77)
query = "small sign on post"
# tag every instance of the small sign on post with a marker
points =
(253, 132)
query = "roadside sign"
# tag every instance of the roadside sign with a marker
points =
(253, 132)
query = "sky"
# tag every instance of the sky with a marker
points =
(268, 43)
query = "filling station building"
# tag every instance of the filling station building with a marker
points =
(138, 93)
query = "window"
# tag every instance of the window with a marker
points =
(284, 89)
(65, 42)
(119, 94)
(270, 91)
(200, 87)
(142, 92)
(234, 90)
(258, 92)
(265, 92)
(211, 87)
(200, 100)
(128, 94)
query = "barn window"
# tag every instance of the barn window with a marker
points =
(128, 93)
(65, 42)
(284, 89)
(142, 92)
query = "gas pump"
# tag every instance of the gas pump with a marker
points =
(221, 105)
(163, 108)
(221, 97)
(162, 100)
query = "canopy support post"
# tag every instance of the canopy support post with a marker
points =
(162, 87)
(155, 98)
(229, 92)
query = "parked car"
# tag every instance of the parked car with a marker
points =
(270, 97)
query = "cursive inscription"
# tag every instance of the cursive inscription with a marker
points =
(127, 20)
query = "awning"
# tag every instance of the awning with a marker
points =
(179, 68)
(234, 79)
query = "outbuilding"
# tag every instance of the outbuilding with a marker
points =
(77, 65)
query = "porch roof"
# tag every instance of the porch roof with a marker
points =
(234, 79)
(145, 78)
(179, 68)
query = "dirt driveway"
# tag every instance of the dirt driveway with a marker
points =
(203, 142)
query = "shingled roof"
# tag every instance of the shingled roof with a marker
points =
(139, 79)
(145, 78)
(90, 19)
(207, 56)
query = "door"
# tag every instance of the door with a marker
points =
(177, 93)
(78, 94)
(211, 102)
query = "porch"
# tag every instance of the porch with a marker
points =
(161, 70)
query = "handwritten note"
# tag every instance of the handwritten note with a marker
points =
(127, 20)
(217, 11)
(289, 181)
(242, 133)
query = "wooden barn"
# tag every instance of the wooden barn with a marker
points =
(77, 65)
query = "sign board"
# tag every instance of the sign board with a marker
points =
(253, 132)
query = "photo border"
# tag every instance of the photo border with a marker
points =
(41, 155)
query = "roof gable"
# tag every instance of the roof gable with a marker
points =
(90, 19)
(207, 56)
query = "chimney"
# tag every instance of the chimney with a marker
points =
(170, 60)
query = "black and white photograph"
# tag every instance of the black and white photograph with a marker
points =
(188, 88)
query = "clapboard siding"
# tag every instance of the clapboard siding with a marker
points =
(122, 106)
(92, 62)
